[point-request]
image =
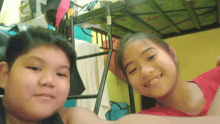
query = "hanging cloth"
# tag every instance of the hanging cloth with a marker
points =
(61, 11)
(10, 13)
(91, 70)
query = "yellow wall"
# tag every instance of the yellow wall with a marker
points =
(196, 52)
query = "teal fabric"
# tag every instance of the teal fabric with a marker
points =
(10, 32)
(51, 27)
(70, 103)
(117, 110)
(78, 33)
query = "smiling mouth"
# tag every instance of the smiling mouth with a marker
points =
(153, 81)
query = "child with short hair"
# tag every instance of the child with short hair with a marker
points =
(35, 75)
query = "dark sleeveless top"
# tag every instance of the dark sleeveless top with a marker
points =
(55, 119)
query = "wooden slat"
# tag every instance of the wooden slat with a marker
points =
(191, 13)
(136, 18)
(156, 8)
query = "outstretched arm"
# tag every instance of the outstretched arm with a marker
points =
(79, 115)
(152, 119)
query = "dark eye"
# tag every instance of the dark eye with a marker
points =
(34, 68)
(132, 71)
(151, 57)
(62, 75)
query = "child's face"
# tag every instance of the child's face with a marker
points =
(38, 83)
(150, 69)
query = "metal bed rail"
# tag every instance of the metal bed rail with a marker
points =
(103, 80)
(75, 20)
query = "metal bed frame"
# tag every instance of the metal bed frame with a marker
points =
(79, 19)
(110, 12)
(105, 14)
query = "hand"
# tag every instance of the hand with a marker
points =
(218, 61)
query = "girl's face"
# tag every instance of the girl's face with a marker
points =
(150, 70)
(38, 83)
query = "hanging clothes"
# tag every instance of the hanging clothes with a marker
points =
(61, 11)
(25, 11)
(10, 13)
(91, 70)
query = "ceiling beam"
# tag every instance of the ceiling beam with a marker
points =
(157, 9)
(140, 21)
(191, 13)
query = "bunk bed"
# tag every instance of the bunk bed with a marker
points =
(159, 17)
(164, 18)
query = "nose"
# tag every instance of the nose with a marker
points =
(146, 71)
(47, 79)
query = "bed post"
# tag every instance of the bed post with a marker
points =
(72, 30)
(103, 81)
(131, 96)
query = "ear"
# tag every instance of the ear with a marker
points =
(4, 72)
(173, 51)
(218, 61)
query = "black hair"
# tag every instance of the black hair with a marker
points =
(50, 17)
(24, 41)
(147, 102)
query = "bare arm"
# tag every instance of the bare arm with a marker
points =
(151, 119)
(214, 109)
(215, 106)
(79, 115)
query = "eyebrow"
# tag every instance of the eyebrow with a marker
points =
(140, 54)
(42, 60)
